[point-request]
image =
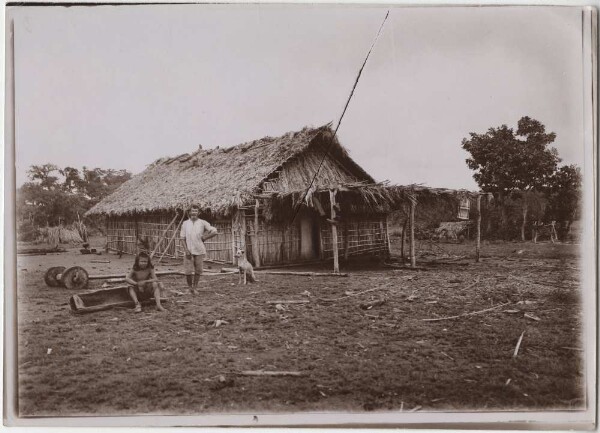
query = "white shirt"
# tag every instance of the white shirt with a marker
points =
(192, 232)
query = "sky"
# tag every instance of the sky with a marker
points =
(121, 86)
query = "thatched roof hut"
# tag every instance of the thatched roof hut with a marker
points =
(292, 198)
(222, 180)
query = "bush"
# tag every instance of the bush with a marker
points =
(27, 232)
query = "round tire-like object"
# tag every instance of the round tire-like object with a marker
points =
(51, 276)
(75, 278)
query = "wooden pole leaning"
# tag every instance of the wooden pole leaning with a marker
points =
(172, 238)
(162, 236)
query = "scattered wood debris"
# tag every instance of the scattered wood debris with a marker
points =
(516, 352)
(369, 305)
(270, 373)
(467, 314)
(298, 301)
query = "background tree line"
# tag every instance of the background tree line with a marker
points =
(522, 172)
(54, 195)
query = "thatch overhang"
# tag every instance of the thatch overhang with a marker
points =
(360, 198)
(220, 180)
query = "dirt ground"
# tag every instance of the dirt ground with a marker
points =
(352, 359)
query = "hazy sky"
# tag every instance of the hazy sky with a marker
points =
(118, 87)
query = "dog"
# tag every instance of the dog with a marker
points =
(245, 268)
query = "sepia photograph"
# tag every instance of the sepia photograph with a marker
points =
(300, 215)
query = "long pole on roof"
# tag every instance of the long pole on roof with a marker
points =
(341, 117)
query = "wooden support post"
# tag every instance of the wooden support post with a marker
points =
(478, 247)
(242, 222)
(387, 236)
(334, 237)
(413, 257)
(254, 240)
(233, 224)
(321, 254)
(404, 228)
(346, 241)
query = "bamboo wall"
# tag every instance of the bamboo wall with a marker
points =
(360, 235)
(278, 243)
(130, 235)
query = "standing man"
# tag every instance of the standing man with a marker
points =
(194, 232)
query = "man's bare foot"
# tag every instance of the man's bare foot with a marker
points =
(160, 308)
(138, 308)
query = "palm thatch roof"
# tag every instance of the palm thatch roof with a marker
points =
(219, 180)
(365, 197)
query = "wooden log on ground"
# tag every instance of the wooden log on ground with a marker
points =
(300, 301)
(270, 373)
(405, 268)
(305, 274)
(40, 250)
(466, 314)
(107, 277)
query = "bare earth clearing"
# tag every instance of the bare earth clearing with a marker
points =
(353, 359)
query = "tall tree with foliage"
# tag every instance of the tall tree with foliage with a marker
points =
(54, 195)
(510, 163)
(564, 192)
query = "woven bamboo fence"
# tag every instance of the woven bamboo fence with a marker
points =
(357, 236)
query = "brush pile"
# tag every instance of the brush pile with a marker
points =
(62, 235)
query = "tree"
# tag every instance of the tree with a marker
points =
(564, 191)
(55, 195)
(512, 164)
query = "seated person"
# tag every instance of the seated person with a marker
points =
(143, 283)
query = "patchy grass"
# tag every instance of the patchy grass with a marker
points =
(384, 358)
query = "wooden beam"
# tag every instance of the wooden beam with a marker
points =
(413, 257)
(346, 240)
(478, 245)
(254, 240)
(334, 237)
(233, 220)
(242, 223)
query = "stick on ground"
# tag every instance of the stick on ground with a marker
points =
(270, 373)
(304, 301)
(516, 352)
(467, 314)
